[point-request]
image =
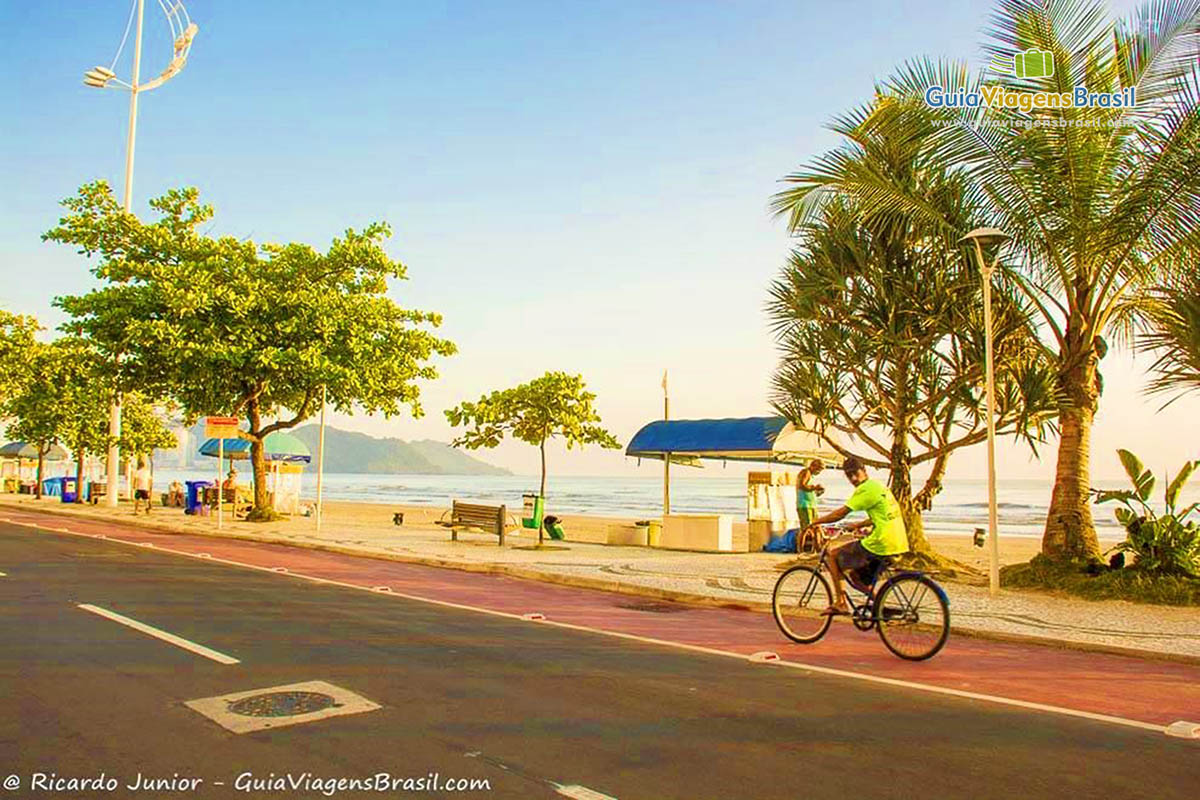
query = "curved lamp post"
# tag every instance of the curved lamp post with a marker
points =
(980, 238)
(183, 31)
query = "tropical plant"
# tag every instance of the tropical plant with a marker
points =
(1097, 199)
(880, 326)
(227, 326)
(556, 405)
(1167, 543)
(1171, 331)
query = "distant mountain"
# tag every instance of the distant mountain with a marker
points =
(346, 451)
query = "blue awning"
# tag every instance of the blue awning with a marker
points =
(277, 446)
(771, 439)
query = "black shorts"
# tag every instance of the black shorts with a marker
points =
(864, 564)
(141, 494)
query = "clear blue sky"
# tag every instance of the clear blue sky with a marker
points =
(574, 186)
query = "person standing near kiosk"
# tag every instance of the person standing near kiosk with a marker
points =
(807, 492)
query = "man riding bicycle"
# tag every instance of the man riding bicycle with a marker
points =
(864, 556)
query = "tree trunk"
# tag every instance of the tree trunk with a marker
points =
(1070, 533)
(262, 510)
(80, 457)
(900, 482)
(37, 490)
(542, 491)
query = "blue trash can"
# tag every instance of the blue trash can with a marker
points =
(52, 487)
(195, 496)
(68, 489)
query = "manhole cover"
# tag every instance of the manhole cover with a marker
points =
(282, 704)
(653, 608)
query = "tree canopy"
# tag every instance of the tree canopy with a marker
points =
(17, 345)
(880, 326)
(227, 326)
(556, 405)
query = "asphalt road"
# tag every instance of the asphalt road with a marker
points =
(524, 706)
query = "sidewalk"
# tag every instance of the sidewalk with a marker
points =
(744, 579)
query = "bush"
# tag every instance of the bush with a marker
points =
(1161, 544)
(1132, 583)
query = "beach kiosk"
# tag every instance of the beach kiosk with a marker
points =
(285, 456)
(770, 498)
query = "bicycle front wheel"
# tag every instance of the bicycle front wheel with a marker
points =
(913, 617)
(801, 594)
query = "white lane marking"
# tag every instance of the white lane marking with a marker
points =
(1183, 729)
(171, 638)
(841, 673)
(581, 792)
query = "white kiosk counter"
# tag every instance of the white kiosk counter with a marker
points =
(715, 533)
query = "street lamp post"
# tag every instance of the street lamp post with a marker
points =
(183, 30)
(978, 238)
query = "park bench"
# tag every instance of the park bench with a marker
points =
(489, 519)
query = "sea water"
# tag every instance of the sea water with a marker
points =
(960, 508)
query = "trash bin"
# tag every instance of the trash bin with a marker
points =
(194, 501)
(553, 526)
(653, 533)
(534, 508)
(52, 487)
(68, 490)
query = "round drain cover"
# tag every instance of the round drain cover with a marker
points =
(282, 704)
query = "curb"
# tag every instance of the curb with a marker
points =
(599, 584)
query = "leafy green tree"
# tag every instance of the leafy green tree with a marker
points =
(227, 326)
(40, 410)
(880, 329)
(84, 395)
(16, 348)
(556, 405)
(1097, 199)
(1172, 332)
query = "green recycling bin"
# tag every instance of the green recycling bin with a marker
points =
(535, 505)
(553, 526)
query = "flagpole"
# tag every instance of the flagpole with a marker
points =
(666, 456)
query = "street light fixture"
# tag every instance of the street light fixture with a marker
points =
(980, 238)
(183, 31)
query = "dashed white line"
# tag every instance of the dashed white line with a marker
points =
(170, 638)
(581, 792)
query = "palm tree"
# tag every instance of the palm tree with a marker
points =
(1172, 333)
(1097, 199)
(881, 334)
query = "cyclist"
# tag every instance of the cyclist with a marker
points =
(865, 555)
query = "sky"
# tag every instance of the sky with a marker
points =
(574, 186)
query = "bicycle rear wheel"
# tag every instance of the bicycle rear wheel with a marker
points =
(913, 617)
(801, 594)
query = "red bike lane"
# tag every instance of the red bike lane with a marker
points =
(1143, 690)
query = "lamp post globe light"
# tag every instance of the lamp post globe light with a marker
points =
(978, 239)
(183, 31)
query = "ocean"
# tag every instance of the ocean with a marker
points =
(960, 508)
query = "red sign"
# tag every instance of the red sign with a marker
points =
(220, 427)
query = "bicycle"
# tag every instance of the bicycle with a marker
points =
(910, 610)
